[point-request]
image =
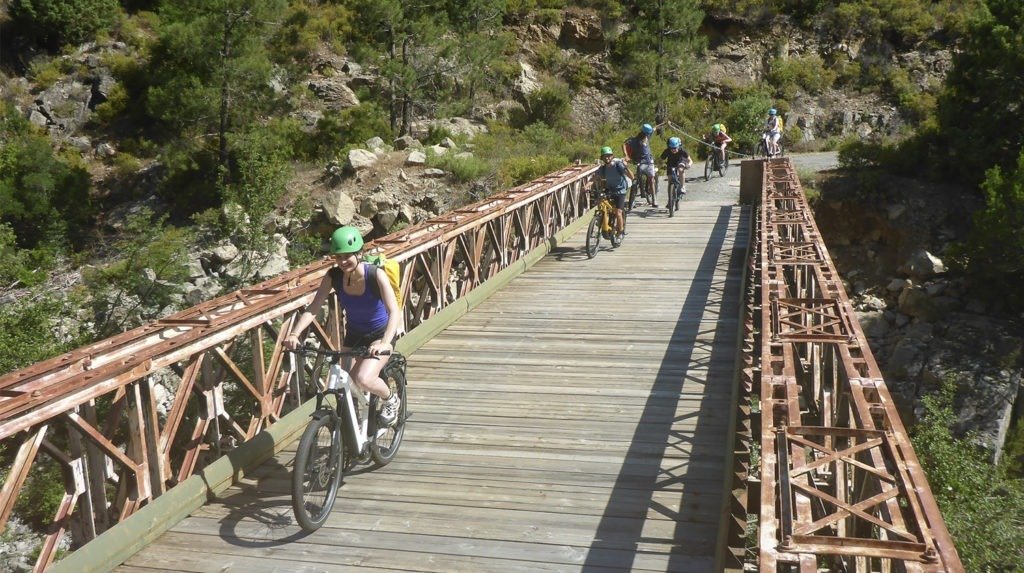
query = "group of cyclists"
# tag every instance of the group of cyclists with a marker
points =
(617, 175)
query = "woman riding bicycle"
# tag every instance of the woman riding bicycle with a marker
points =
(372, 316)
(616, 175)
(676, 160)
(638, 150)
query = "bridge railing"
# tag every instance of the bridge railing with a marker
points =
(836, 483)
(120, 422)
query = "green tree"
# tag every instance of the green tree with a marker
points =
(995, 248)
(259, 182)
(212, 71)
(140, 285)
(660, 53)
(55, 23)
(480, 44)
(982, 506)
(983, 96)
(36, 328)
(42, 198)
(415, 53)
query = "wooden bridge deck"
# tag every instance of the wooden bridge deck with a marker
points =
(576, 421)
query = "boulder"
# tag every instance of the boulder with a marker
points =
(923, 264)
(915, 302)
(339, 208)
(406, 142)
(334, 93)
(361, 159)
(416, 157)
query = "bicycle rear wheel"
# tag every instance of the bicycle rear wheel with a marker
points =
(389, 438)
(317, 472)
(594, 235)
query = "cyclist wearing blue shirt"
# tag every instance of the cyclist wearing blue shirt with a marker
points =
(638, 150)
(616, 176)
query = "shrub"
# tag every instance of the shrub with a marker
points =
(55, 23)
(548, 105)
(463, 169)
(40, 193)
(806, 72)
(982, 506)
(28, 332)
(995, 252)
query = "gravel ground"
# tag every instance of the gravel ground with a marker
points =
(727, 189)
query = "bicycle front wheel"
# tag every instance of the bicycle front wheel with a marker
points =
(594, 235)
(317, 473)
(762, 150)
(673, 191)
(709, 166)
(389, 438)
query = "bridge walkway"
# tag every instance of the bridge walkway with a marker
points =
(575, 421)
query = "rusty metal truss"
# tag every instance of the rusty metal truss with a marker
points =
(91, 419)
(839, 486)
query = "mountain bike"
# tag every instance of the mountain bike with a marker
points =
(715, 163)
(676, 188)
(344, 429)
(601, 225)
(640, 184)
(765, 144)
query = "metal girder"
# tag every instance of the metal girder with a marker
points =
(839, 487)
(224, 362)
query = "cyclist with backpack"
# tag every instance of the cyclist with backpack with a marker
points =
(372, 316)
(773, 130)
(638, 150)
(676, 161)
(616, 177)
(719, 139)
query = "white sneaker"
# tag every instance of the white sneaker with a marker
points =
(389, 411)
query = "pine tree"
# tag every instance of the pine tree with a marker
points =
(660, 54)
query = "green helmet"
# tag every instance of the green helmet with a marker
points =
(606, 151)
(346, 240)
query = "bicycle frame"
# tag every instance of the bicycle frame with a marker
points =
(346, 394)
(341, 385)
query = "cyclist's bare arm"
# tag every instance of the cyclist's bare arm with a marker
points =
(291, 342)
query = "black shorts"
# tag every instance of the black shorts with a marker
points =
(617, 199)
(359, 339)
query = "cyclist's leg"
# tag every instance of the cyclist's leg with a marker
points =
(775, 142)
(619, 201)
(366, 373)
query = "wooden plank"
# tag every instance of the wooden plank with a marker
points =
(574, 421)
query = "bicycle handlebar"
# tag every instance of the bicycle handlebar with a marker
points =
(355, 352)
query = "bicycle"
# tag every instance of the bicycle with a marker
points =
(676, 188)
(641, 184)
(715, 163)
(765, 144)
(601, 225)
(341, 435)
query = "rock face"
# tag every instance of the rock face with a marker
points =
(923, 326)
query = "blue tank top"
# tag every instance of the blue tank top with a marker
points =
(365, 313)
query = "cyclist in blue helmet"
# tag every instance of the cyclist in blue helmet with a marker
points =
(677, 160)
(773, 130)
(638, 150)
